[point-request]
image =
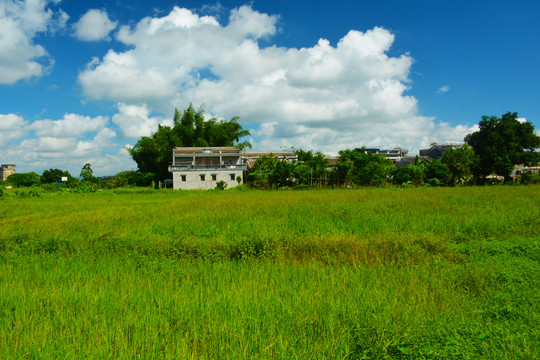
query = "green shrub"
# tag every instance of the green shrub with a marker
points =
(23, 179)
(33, 192)
(221, 185)
(530, 179)
(242, 187)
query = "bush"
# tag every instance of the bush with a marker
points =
(434, 182)
(530, 179)
(409, 173)
(243, 187)
(33, 192)
(436, 169)
(136, 178)
(221, 185)
(23, 179)
(83, 187)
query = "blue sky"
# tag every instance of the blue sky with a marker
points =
(80, 81)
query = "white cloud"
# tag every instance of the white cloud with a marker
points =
(20, 21)
(167, 54)
(67, 143)
(444, 89)
(326, 97)
(11, 122)
(47, 145)
(72, 125)
(11, 127)
(134, 121)
(94, 25)
(111, 164)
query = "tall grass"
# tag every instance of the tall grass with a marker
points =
(370, 273)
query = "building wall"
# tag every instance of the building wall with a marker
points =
(193, 179)
(6, 170)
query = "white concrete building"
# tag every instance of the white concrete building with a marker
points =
(6, 170)
(204, 167)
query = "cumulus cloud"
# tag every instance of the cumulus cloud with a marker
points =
(72, 125)
(134, 121)
(167, 54)
(94, 25)
(67, 143)
(325, 97)
(20, 21)
(11, 127)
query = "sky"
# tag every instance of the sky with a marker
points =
(82, 81)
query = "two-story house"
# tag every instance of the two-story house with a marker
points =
(203, 167)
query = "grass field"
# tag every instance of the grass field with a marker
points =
(427, 273)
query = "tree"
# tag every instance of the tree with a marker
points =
(153, 153)
(54, 175)
(461, 162)
(413, 173)
(502, 143)
(23, 179)
(363, 168)
(310, 166)
(271, 171)
(437, 169)
(87, 174)
(136, 178)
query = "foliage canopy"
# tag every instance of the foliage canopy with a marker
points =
(153, 153)
(54, 175)
(502, 143)
(23, 179)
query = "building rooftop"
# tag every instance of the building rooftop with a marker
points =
(267, 153)
(201, 150)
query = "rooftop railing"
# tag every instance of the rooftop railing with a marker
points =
(206, 167)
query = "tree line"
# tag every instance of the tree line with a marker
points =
(498, 145)
(86, 181)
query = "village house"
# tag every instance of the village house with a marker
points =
(203, 167)
(395, 154)
(436, 151)
(6, 170)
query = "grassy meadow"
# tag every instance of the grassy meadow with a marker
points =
(390, 273)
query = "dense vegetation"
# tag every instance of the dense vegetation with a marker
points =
(153, 153)
(433, 273)
(499, 144)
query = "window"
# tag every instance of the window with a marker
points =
(233, 177)
(183, 177)
(214, 177)
(202, 177)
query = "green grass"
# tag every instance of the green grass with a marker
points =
(428, 273)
